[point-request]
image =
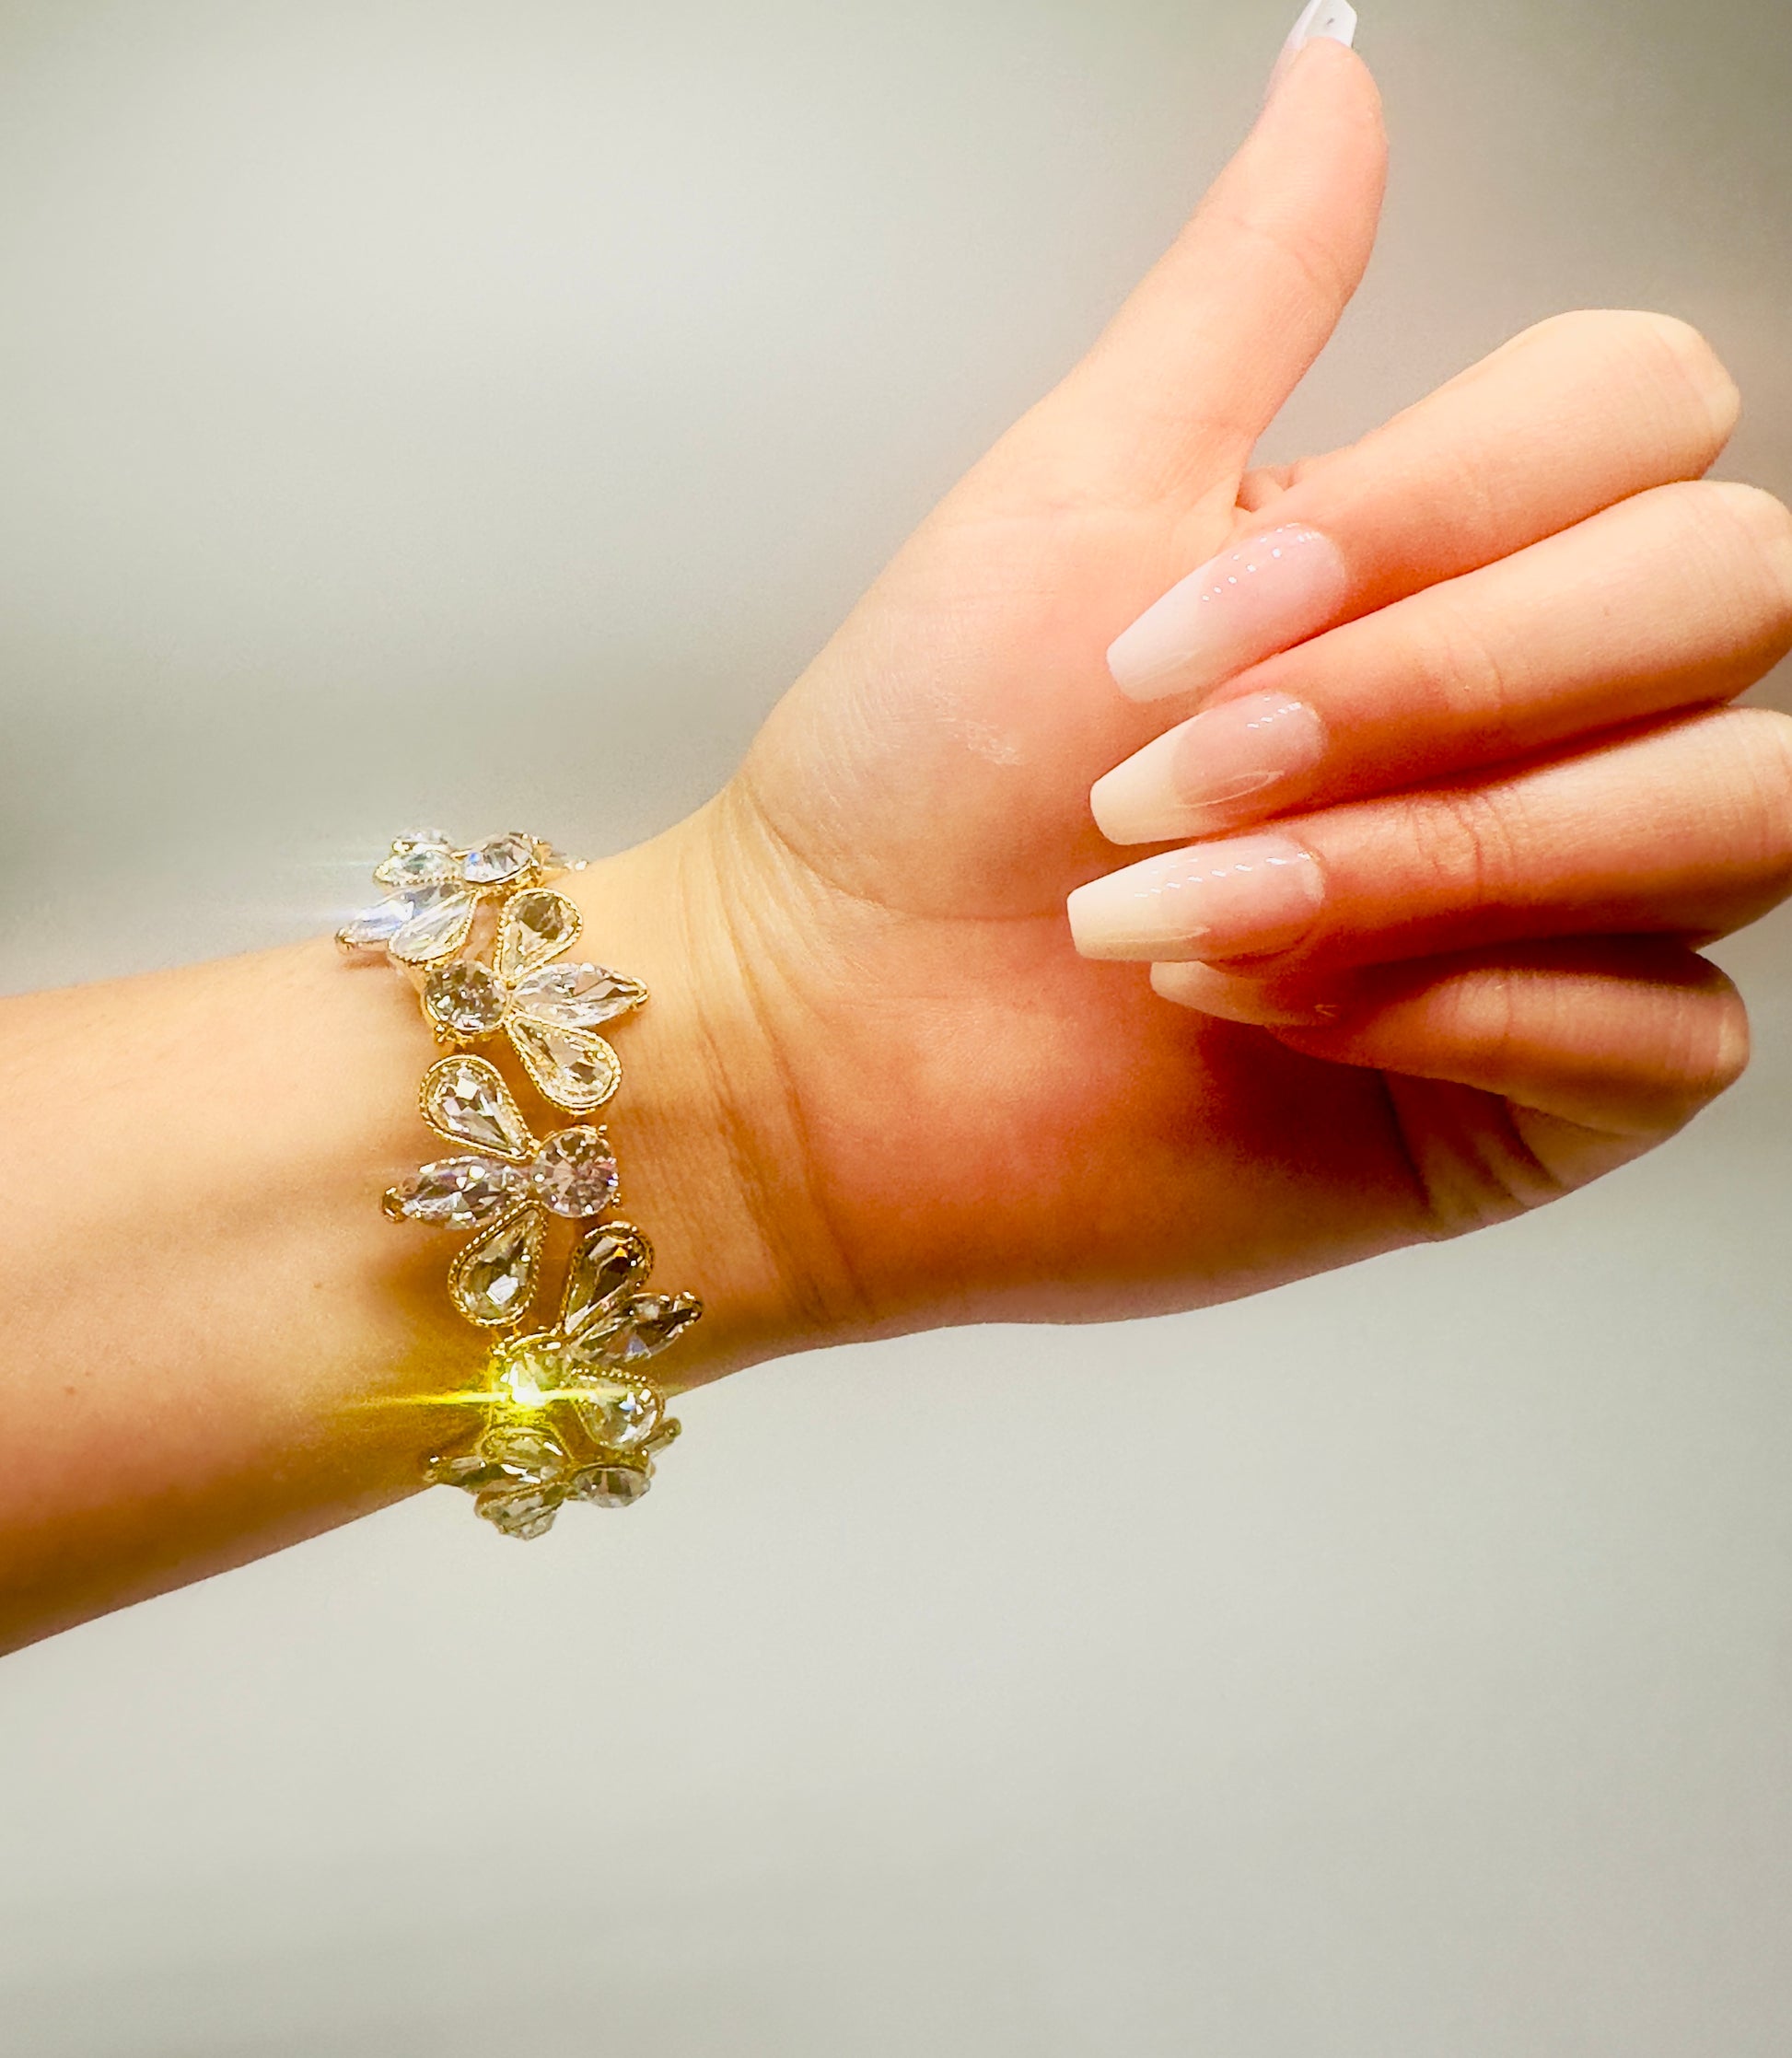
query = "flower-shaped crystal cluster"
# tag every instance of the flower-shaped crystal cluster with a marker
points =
(505, 1182)
(550, 1012)
(570, 1416)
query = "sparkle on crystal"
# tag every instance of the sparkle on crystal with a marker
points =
(577, 996)
(443, 917)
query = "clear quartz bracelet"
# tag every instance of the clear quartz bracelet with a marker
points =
(566, 1413)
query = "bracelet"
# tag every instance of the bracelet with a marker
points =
(564, 1413)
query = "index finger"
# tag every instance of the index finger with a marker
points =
(1569, 419)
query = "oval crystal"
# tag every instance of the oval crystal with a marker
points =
(537, 925)
(458, 1191)
(498, 860)
(575, 1174)
(466, 1101)
(463, 999)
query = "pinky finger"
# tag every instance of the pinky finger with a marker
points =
(1601, 1047)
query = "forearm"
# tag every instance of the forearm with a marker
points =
(211, 1330)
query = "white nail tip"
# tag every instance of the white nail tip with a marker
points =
(1325, 20)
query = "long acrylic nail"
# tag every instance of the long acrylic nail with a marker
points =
(1237, 610)
(1333, 20)
(1230, 998)
(1242, 898)
(1240, 758)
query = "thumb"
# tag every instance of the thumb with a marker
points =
(1174, 398)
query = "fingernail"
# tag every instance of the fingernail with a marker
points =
(1209, 991)
(1241, 897)
(1262, 749)
(1237, 610)
(1333, 20)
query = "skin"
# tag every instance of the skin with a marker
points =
(878, 1089)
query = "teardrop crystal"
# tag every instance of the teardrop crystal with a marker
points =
(428, 865)
(574, 1069)
(439, 927)
(616, 1413)
(627, 1337)
(376, 928)
(465, 1100)
(458, 1191)
(537, 925)
(493, 1278)
(498, 861)
(577, 996)
(611, 1485)
(609, 1260)
(523, 1512)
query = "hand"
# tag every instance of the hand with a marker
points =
(1510, 802)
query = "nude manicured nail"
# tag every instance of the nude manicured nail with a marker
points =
(1263, 748)
(1209, 991)
(1323, 19)
(1237, 610)
(1241, 897)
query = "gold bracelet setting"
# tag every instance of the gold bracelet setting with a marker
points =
(564, 1413)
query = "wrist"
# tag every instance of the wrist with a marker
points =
(704, 1125)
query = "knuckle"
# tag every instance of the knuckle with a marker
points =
(1467, 841)
(1473, 683)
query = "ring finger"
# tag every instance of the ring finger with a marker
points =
(1685, 829)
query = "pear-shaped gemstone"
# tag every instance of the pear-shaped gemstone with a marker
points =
(537, 925)
(427, 865)
(458, 1191)
(609, 1260)
(524, 1512)
(574, 1069)
(577, 996)
(493, 1278)
(466, 1101)
(529, 1372)
(377, 927)
(611, 1485)
(463, 999)
(576, 1174)
(617, 1414)
(628, 1336)
(438, 926)
(498, 860)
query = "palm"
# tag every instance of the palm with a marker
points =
(905, 833)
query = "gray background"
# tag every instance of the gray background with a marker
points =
(1399, 1666)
